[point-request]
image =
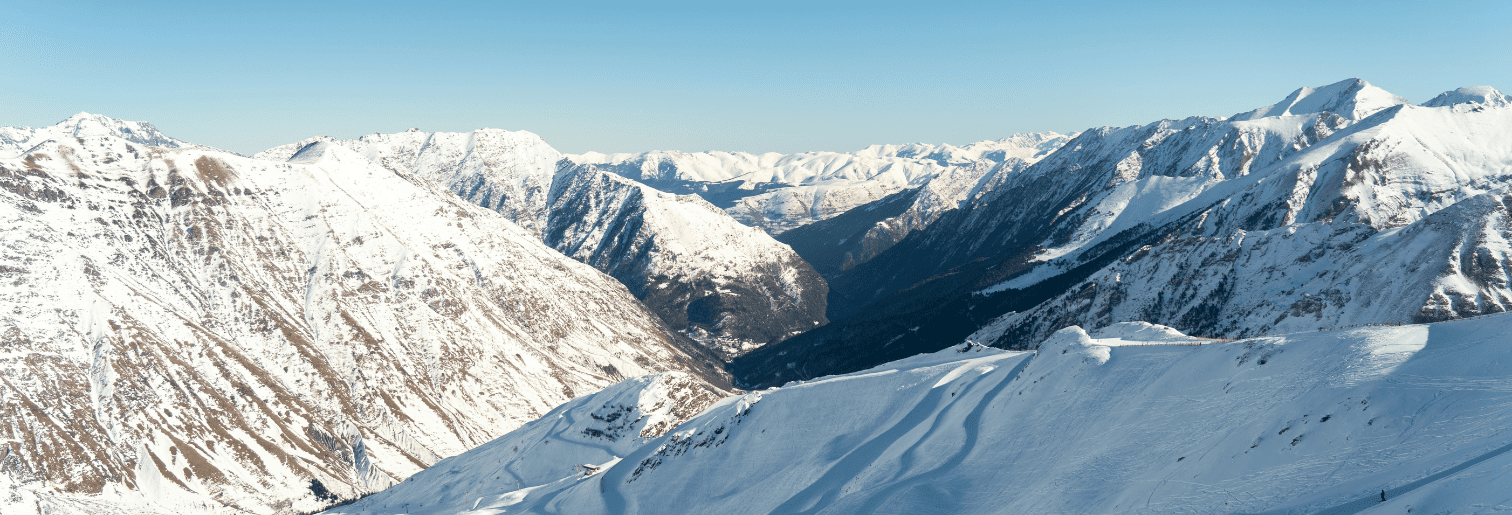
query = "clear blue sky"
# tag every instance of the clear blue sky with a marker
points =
(753, 76)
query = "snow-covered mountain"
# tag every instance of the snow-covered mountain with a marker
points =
(1485, 96)
(185, 329)
(728, 286)
(1132, 418)
(840, 243)
(506, 171)
(779, 192)
(1289, 217)
(15, 141)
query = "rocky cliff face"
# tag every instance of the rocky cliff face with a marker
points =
(1339, 205)
(189, 329)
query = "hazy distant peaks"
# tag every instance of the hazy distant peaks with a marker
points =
(1354, 99)
(1484, 95)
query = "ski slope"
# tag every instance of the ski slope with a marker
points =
(1133, 418)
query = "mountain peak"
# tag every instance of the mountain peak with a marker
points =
(89, 124)
(1354, 99)
(1484, 95)
(325, 150)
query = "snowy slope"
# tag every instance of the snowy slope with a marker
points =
(1399, 218)
(572, 440)
(728, 286)
(1485, 96)
(779, 192)
(506, 171)
(192, 330)
(1353, 99)
(1134, 418)
(1286, 218)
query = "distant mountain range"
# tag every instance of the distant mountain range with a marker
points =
(1339, 205)
(188, 329)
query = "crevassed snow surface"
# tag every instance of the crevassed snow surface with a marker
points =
(1133, 419)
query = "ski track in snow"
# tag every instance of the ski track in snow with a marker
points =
(1368, 501)
(1297, 424)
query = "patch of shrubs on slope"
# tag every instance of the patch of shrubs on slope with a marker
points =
(325, 495)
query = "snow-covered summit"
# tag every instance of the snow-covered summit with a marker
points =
(1132, 419)
(1484, 95)
(505, 171)
(1354, 99)
(573, 441)
(16, 140)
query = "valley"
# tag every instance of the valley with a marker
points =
(1279, 311)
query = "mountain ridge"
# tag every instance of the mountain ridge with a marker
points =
(1036, 245)
(727, 286)
(192, 330)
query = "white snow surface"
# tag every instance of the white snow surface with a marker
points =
(15, 141)
(806, 187)
(188, 330)
(1133, 419)
(1485, 96)
(1354, 99)
(692, 238)
(506, 171)
(594, 217)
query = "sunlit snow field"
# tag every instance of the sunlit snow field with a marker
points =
(1131, 419)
